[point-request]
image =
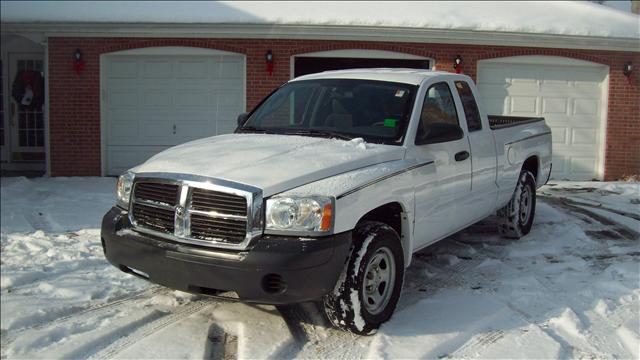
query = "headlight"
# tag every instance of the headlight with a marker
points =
(123, 189)
(299, 214)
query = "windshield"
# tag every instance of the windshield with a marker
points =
(376, 111)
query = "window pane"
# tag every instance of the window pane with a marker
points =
(438, 108)
(31, 120)
(469, 105)
(23, 138)
(39, 122)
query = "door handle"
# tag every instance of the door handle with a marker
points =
(462, 155)
(174, 129)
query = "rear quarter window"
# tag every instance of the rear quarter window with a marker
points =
(469, 106)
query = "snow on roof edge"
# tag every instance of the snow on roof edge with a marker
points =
(550, 18)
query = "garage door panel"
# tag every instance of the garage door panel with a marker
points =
(559, 166)
(148, 95)
(583, 136)
(122, 158)
(495, 106)
(526, 105)
(522, 88)
(192, 69)
(586, 107)
(230, 68)
(556, 106)
(155, 130)
(581, 168)
(559, 135)
(569, 98)
(492, 75)
(228, 101)
(123, 69)
(157, 69)
(226, 127)
(122, 129)
(157, 99)
(119, 99)
(192, 98)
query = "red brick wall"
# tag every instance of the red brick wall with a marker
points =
(75, 99)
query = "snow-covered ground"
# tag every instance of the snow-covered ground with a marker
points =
(570, 289)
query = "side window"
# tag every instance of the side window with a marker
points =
(469, 105)
(438, 119)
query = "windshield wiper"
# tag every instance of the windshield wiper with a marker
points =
(255, 130)
(321, 133)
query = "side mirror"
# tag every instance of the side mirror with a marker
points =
(242, 118)
(439, 133)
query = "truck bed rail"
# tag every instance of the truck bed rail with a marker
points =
(501, 122)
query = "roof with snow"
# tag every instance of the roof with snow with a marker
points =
(546, 17)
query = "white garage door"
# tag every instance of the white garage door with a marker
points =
(569, 97)
(155, 101)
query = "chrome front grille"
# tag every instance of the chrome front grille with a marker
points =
(223, 203)
(204, 227)
(195, 210)
(154, 218)
(157, 192)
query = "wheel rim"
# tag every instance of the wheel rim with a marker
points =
(379, 279)
(525, 205)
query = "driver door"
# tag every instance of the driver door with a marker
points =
(438, 210)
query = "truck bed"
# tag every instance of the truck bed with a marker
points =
(501, 121)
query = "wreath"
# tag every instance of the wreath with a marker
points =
(28, 89)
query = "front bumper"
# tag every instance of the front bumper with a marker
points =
(276, 270)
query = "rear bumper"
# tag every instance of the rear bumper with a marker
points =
(276, 270)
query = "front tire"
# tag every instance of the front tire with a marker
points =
(516, 218)
(369, 287)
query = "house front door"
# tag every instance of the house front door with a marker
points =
(26, 110)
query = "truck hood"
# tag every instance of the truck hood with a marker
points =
(274, 163)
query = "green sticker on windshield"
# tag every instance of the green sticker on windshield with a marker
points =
(390, 123)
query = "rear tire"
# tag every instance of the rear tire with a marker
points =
(516, 218)
(369, 287)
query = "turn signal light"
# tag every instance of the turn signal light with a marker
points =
(327, 215)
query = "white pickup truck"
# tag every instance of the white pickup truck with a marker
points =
(325, 191)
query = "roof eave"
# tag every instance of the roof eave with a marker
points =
(326, 32)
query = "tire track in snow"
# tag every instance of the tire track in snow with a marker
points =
(474, 347)
(622, 230)
(595, 335)
(314, 337)
(10, 336)
(318, 339)
(450, 276)
(122, 342)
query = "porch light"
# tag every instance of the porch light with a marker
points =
(78, 62)
(456, 64)
(269, 59)
(627, 69)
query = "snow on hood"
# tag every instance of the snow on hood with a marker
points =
(274, 163)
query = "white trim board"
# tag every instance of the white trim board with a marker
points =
(326, 32)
